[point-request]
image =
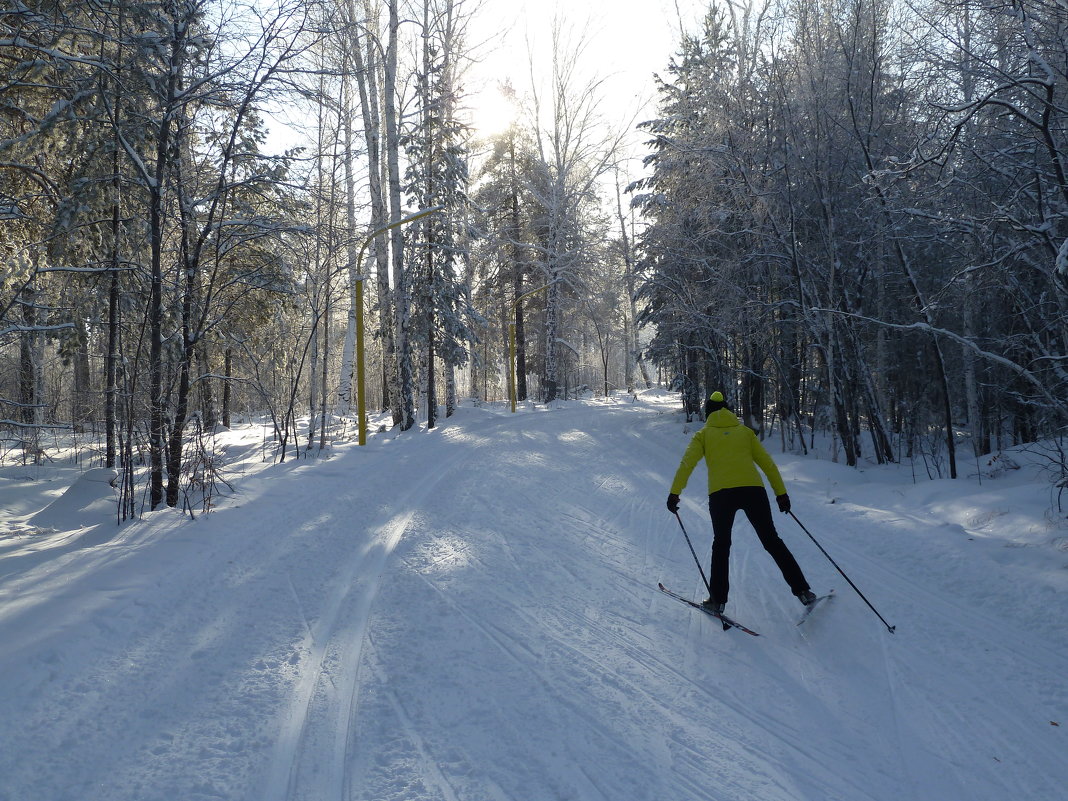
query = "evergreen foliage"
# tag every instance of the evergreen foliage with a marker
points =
(856, 215)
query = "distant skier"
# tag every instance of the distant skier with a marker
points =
(732, 453)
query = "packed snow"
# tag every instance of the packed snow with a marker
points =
(471, 613)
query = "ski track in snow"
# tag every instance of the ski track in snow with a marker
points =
(361, 579)
(471, 613)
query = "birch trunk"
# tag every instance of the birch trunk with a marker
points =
(364, 52)
(344, 389)
(404, 412)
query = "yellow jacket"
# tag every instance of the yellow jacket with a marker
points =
(732, 452)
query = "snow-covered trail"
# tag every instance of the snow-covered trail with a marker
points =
(570, 676)
(471, 613)
(206, 659)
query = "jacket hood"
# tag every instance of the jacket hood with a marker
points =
(722, 418)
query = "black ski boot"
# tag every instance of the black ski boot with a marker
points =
(713, 607)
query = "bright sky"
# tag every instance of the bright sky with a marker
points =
(627, 41)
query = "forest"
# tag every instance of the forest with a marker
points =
(851, 216)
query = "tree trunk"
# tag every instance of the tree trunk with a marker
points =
(313, 382)
(181, 410)
(450, 390)
(155, 322)
(228, 371)
(517, 280)
(552, 365)
(111, 363)
(82, 407)
(324, 411)
(345, 394)
(404, 414)
(364, 52)
(208, 409)
(29, 361)
(156, 184)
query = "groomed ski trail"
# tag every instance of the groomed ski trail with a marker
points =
(331, 669)
(472, 613)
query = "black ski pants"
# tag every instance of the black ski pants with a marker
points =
(723, 505)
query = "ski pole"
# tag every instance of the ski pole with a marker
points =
(851, 584)
(698, 561)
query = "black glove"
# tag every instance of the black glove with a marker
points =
(784, 502)
(673, 503)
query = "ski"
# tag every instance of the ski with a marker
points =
(727, 622)
(808, 609)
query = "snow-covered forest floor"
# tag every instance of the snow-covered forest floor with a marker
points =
(471, 613)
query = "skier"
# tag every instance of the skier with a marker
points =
(732, 453)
